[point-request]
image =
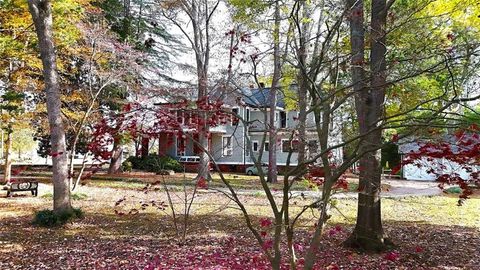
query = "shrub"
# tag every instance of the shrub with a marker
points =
(127, 166)
(154, 163)
(454, 190)
(47, 218)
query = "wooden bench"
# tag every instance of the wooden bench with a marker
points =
(22, 186)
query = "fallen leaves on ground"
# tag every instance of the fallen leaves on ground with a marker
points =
(107, 245)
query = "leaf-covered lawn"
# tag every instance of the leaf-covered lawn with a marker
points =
(430, 233)
(138, 180)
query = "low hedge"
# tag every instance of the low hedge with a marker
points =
(152, 163)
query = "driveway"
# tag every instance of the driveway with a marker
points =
(398, 189)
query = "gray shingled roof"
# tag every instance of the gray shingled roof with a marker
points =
(261, 97)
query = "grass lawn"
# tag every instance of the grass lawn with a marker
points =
(430, 233)
(139, 179)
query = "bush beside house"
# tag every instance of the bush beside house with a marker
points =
(152, 163)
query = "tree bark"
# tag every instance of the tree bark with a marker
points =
(145, 147)
(116, 160)
(368, 233)
(7, 169)
(204, 164)
(303, 84)
(272, 134)
(41, 12)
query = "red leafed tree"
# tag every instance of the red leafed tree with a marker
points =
(454, 160)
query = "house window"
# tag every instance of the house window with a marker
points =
(312, 146)
(295, 146)
(187, 118)
(266, 147)
(255, 146)
(288, 146)
(248, 115)
(285, 146)
(180, 117)
(180, 147)
(235, 112)
(227, 146)
(283, 119)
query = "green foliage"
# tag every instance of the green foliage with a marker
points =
(79, 196)
(471, 117)
(423, 33)
(48, 218)
(74, 196)
(390, 154)
(248, 11)
(132, 21)
(289, 74)
(22, 141)
(153, 163)
(454, 190)
(127, 166)
(47, 196)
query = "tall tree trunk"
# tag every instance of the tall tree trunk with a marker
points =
(116, 160)
(272, 146)
(303, 83)
(302, 120)
(368, 233)
(145, 147)
(7, 169)
(204, 164)
(41, 12)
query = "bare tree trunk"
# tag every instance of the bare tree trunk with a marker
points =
(116, 160)
(41, 12)
(7, 169)
(303, 83)
(204, 164)
(145, 147)
(272, 146)
(368, 233)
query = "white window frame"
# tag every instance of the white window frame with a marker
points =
(266, 146)
(179, 151)
(227, 150)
